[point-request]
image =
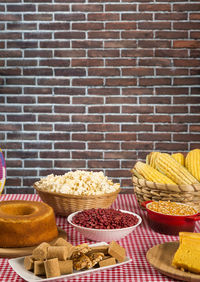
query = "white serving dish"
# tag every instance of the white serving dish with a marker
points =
(18, 266)
(105, 235)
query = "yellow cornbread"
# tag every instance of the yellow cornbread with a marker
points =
(188, 253)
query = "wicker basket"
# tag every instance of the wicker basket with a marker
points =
(146, 191)
(65, 204)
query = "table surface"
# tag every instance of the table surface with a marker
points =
(136, 244)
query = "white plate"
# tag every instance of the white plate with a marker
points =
(18, 265)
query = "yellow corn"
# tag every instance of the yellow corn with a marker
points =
(151, 174)
(174, 170)
(179, 158)
(135, 173)
(192, 163)
(150, 159)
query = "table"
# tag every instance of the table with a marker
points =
(137, 244)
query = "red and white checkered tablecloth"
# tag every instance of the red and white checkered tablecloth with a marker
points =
(137, 244)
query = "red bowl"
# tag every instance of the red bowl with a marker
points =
(170, 224)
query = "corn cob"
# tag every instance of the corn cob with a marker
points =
(135, 173)
(192, 163)
(152, 158)
(179, 158)
(174, 170)
(151, 174)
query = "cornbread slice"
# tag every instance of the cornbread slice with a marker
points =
(188, 254)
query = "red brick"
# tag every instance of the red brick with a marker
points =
(186, 44)
(120, 7)
(54, 44)
(69, 127)
(38, 17)
(103, 164)
(103, 127)
(103, 145)
(171, 34)
(87, 8)
(137, 127)
(137, 53)
(137, 109)
(37, 90)
(70, 53)
(37, 163)
(186, 25)
(69, 145)
(87, 118)
(37, 35)
(53, 118)
(120, 44)
(186, 137)
(53, 100)
(10, 53)
(21, 99)
(10, 90)
(87, 44)
(104, 34)
(154, 7)
(121, 100)
(171, 109)
(21, 136)
(22, 155)
(87, 82)
(54, 136)
(171, 91)
(186, 81)
(54, 26)
(21, 26)
(69, 109)
(38, 71)
(8, 72)
(21, 8)
(53, 81)
(118, 155)
(55, 63)
(194, 128)
(171, 53)
(69, 35)
(103, 17)
(171, 72)
(87, 136)
(171, 127)
(195, 34)
(121, 25)
(194, 16)
(121, 81)
(54, 155)
(195, 53)
(38, 109)
(154, 118)
(87, 26)
(186, 100)
(10, 127)
(154, 44)
(10, 17)
(171, 146)
(137, 71)
(155, 136)
(87, 62)
(186, 7)
(154, 25)
(70, 72)
(103, 72)
(137, 146)
(23, 62)
(11, 145)
(120, 62)
(121, 136)
(10, 35)
(53, 8)
(120, 118)
(71, 164)
(70, 17)
(21, 118)
(87, 155)
(136, 16)
(103, 109)
(21, 81)
(69, 91)
(87, 100)
(154, 81)
(38, 53)
(103, 91)
(155, 100)
(171, 16)
(186, 118)
(137, 34)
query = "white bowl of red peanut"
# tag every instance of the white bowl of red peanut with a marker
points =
(104, 225)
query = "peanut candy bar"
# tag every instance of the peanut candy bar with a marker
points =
(79, 250)
(96, 258)
(81, 262)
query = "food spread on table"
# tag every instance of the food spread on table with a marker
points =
(28, 223)
(63, 258)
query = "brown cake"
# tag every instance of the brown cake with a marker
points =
(26, 223)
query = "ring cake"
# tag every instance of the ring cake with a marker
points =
(26, 223)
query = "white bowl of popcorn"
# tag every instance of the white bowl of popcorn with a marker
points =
(77, 190)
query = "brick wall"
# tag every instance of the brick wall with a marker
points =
(96, 85)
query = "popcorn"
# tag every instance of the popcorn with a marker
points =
(78, 182)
